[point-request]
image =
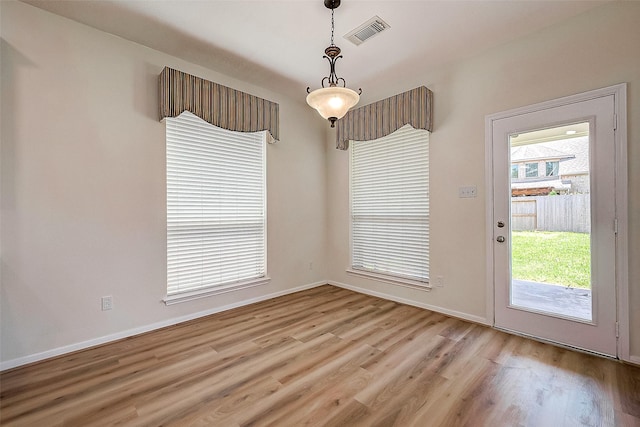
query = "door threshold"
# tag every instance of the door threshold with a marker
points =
(557, 344)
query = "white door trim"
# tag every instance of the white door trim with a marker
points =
(619, 92)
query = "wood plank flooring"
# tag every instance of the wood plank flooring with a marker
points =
(323, 357)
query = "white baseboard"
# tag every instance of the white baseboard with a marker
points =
(452, 313)
(14, 363)
(9, 364)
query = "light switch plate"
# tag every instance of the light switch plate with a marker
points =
(467, 192)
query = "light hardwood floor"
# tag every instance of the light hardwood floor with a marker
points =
(325, 357)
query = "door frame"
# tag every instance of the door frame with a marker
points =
(619, 120)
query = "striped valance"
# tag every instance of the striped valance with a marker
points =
(384, 117)
(219, 105)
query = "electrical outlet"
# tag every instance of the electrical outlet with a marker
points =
(107, 303)
(310, 266)
(439, 282)
(467, 192)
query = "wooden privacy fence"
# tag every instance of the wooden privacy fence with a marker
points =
(569, 212)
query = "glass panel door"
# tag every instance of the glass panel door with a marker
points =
(553, 173)
(551, 221)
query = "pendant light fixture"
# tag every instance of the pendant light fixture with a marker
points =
(332, 101)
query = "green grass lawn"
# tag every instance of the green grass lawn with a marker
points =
(552, 257)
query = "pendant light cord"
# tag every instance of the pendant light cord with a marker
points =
(332, 26)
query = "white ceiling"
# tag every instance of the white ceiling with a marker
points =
(279, 44)
(576, 130)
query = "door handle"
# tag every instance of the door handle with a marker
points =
(500, 224)
(500, 239)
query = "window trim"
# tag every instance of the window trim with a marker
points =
(394, 280)
(207, 292)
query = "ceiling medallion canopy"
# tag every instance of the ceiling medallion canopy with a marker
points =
(333, 101)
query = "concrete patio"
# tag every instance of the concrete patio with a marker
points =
(555, 299)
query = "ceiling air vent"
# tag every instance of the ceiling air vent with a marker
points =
(367, 30)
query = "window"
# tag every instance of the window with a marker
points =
(514, 171)
(553, 168)
(215, 208)
(390, 207)
(531, 170)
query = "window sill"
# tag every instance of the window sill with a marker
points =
(203, 293)
(394, 280)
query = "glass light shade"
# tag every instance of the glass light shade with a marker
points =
(333, 101)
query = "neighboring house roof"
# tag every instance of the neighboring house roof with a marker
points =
(556, 184)
(573, 154)
(537, 152)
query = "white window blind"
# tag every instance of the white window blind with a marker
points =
(215, 206)
(390, 205)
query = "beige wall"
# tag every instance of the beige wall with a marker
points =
(83, 198)
(594, 50)
(83, 187)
